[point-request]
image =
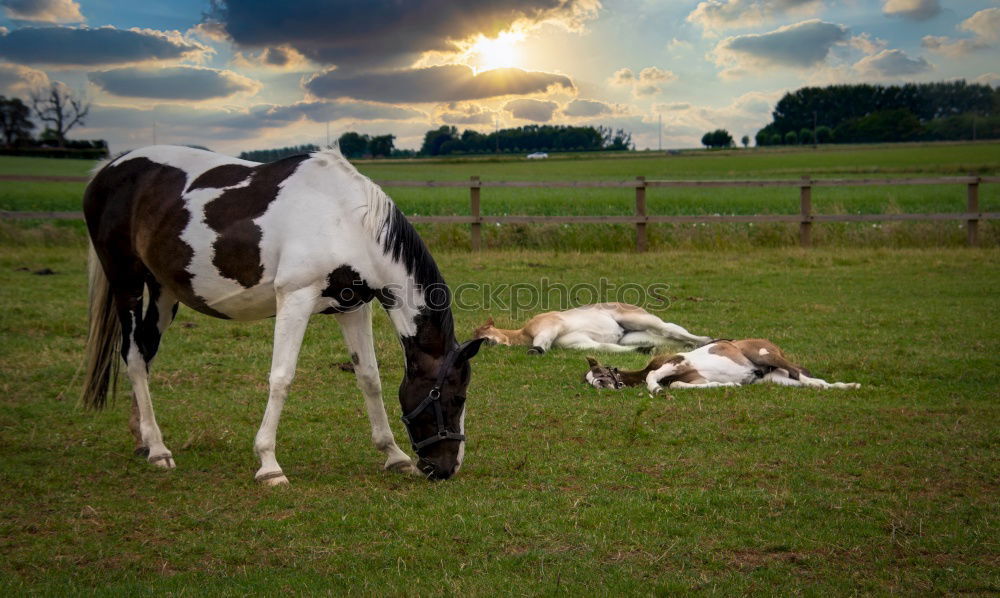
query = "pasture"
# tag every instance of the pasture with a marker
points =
(892, 488)
(888, 489)
(899, 160)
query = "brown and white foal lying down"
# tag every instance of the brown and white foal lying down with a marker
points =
(719, 363)
(613, 327)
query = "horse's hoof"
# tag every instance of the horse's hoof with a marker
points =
(645, 349)
(275, 478)
(403, 467)
(166, 460)
(536, 351)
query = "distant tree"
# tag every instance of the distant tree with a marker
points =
(791, 138)
(353, 145)
(745, 141)
(381, 145)
(433, 140)
(15, 124)
(718, 138)
(805, 136)
(616, 140)
(59, 109)
(824, 134)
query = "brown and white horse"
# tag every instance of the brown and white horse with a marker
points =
(719, 363)
(615, 327)
(243, 241)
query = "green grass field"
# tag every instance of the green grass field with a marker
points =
(890, 489)
(900, 160)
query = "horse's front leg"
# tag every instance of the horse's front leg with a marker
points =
(357, 327)
(294, 309)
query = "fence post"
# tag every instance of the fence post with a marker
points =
(805, 205)
(640, 212)
(476, 232)
(972, 226)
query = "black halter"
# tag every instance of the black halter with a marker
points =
(433, 398)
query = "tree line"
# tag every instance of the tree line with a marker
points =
(446, 140)
(862, 113)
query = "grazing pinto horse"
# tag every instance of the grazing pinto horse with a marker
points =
(719, 363)
(240, 240)
(615, 327)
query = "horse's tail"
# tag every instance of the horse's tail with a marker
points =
(104, 337)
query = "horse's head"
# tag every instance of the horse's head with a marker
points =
(600, 376)
(490, 334)
(432, 396)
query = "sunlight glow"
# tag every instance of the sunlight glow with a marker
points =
(488, 54)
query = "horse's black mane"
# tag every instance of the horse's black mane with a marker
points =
(402, 243)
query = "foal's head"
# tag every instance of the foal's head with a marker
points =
(432, 396)
(600, 376)
(491, 334)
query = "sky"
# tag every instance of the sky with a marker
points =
(235, 75)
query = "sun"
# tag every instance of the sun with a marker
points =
(501, 52)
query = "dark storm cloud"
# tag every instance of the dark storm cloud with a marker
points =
(68, 46)
(448, 83)
(801, 45)
(173, 83)
(377, 33)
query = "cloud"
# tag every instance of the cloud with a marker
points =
(70, 46)
(465, 114)
(281, 58)
(646, 83)
(16, 79)
(383, 33)
(914, 10)
(43, 11)
(230, 123)
(586, 109)
(173, 83)
(984, 26)
(892, 63)
(801, 46)
(671, 107)
(447, 83)
(714, 15)
(534, 110)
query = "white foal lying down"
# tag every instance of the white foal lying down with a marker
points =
(602, 326)
(719, 363)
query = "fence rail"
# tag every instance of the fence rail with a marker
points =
(640, 219)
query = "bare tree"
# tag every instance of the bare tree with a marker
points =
(59, 109)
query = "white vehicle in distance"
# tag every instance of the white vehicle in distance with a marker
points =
(538, 156)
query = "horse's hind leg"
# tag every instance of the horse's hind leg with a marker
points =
(635, 321)
(357, 327)
(141, 335)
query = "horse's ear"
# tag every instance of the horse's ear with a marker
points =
(468, 349)
(489, 321)
(592, 362)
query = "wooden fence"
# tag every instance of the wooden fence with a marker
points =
(641, 218)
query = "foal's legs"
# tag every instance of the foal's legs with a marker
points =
(141, 335)
(357, 327)
(635, 321)
(781, 377)
(580, 340)
(293, 311)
